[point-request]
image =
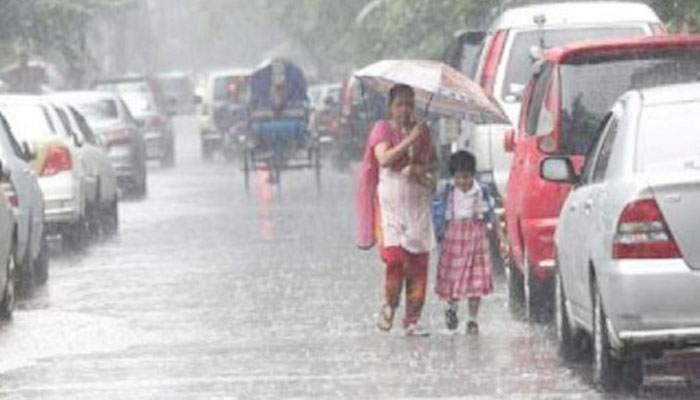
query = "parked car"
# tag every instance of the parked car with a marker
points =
(21, 188)
(222, 89)
(564, 103)
(61, 177)
(627, 253)
(103, 196)
(179, 93)
(9, 277)
(506, 54)
(147, 104)
(109, 117)
(325, 109)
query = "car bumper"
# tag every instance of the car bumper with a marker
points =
(155, 145)
(211, 136)
(651, 302)
(61, 198)
(539, 242)
(123, 160)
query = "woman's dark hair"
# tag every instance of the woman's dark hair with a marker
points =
(398, 90)
(462, 161)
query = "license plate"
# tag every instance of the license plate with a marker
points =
(153, 149)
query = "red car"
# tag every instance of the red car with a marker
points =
(565, 101)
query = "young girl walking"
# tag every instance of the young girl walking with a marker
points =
(464, 268)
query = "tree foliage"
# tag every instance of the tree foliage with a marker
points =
(340, 34)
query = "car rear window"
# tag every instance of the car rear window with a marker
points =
(222, 86)
(669, 138)
(99, 110)
(518, 70)
(591, 86)
(27, 122)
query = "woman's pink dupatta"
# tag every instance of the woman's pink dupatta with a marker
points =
(369, 179)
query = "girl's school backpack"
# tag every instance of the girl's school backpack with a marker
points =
(439, 209)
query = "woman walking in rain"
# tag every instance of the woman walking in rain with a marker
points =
(396, 185)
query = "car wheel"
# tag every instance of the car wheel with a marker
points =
(76, 236)
(514, 283)
(168, 159)
(9, 294)
(110, 219)
(537, 295)
(207, 151)
(607, 370)
(26, 274)
(568, 348)
(41, 264)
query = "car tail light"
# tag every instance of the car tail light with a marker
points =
(642, 232)
(155, 122)
(9, 189)
(58, 159)
(117, 137)
(493, 58)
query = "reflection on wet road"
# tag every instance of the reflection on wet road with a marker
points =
(212, 293)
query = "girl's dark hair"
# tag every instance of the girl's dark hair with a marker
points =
(400, 89)
(462, 161)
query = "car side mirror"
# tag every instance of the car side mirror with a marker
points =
(558, 170)
(29, 150)
(509, 141)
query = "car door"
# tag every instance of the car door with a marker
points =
(31, 201)
(84, 158)
(584, 213)
(98, 156)
(525, 149)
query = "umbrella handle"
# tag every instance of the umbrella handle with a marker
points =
(428, 104)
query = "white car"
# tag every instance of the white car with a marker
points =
(102, 192)
(62, 177)
(216, 96)
(512, 44)
(628, 260)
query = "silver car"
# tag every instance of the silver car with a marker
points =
(627, 251)
(21, 187)
(108, 116)
(9, 279)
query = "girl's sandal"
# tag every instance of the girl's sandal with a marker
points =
(472, 328)
(386, 319)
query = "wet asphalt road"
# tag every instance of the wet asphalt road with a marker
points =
(209, 293)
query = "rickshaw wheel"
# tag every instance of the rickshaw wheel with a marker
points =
(317, 164)
(246, 169)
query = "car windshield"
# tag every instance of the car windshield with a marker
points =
(519, 69)
(27, 121)
(583, 108)
(99, 110)
(669, 138)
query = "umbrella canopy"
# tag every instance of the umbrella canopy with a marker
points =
(438, 86)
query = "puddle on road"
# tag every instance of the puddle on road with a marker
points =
(35, 335)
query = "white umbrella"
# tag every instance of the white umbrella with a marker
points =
(440, 87)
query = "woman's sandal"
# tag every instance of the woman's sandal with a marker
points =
(386, 319)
